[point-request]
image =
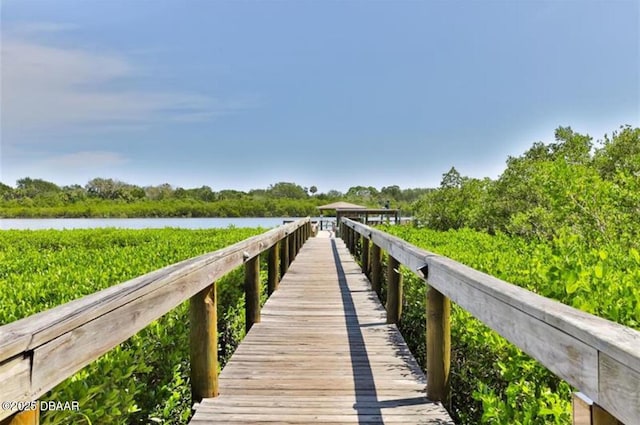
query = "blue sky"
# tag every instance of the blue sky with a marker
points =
(329, 93)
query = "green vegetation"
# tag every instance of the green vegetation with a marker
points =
(146, 378)
(36, 198)
(493, 381)
(563, 221)
(567, 186)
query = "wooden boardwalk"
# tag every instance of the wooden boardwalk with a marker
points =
(322, 353)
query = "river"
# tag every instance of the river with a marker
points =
(139, 223)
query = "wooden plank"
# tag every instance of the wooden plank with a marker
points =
(322, 352)
(68, 337)
(16, 381)
(28, 333)
(619, 391)
(565, 340)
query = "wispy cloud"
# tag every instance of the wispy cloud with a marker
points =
(27, 29)
(46, 88)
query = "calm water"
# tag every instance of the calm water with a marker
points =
(139, 223)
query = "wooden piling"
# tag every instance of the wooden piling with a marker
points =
(203, 341)
(394, 290)
(365, 255)
(273, 263)
(376, 268)
(284, 256)
(252, 291)
(438, 345)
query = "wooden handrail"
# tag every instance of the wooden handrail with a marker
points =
(40, 351)
(599, 357)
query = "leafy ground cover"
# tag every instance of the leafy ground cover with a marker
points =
(146, 378)
(492, 380)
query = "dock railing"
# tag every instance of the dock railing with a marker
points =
(598, 357)
(40, 351)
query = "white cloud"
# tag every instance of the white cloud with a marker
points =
(47, 88)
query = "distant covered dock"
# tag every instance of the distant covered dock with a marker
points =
(358, 213)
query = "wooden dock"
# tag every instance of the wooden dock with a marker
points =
(323, 349)
(322, 353)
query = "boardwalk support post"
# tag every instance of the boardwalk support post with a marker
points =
(284, 255)
(354, 242)
(376, 268)
(586, 412)
(27, 417)
(438, 345)
(273, 263)
(365, 256)
(252, 291)
(292, 248)
(203, 317)
(394, 293)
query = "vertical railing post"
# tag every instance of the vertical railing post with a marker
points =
(345, 235)
(292, 248)
(272, 268)
(356, 239)
(284, 255)
(252, 291)
(203, 342)
(586, 412)
(438, 345)
(27, 417)
(376, 268)
(394, 290)
(365, 256)
(352, 241)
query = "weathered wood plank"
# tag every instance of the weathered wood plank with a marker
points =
(567, 341)
(322, 352)
(66, 338)
(619, 390)
(16, 381)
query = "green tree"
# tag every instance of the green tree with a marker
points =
(620, 154)
(287, 190)
(33, 187)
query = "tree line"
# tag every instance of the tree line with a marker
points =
(572, 185)
(108, 197)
